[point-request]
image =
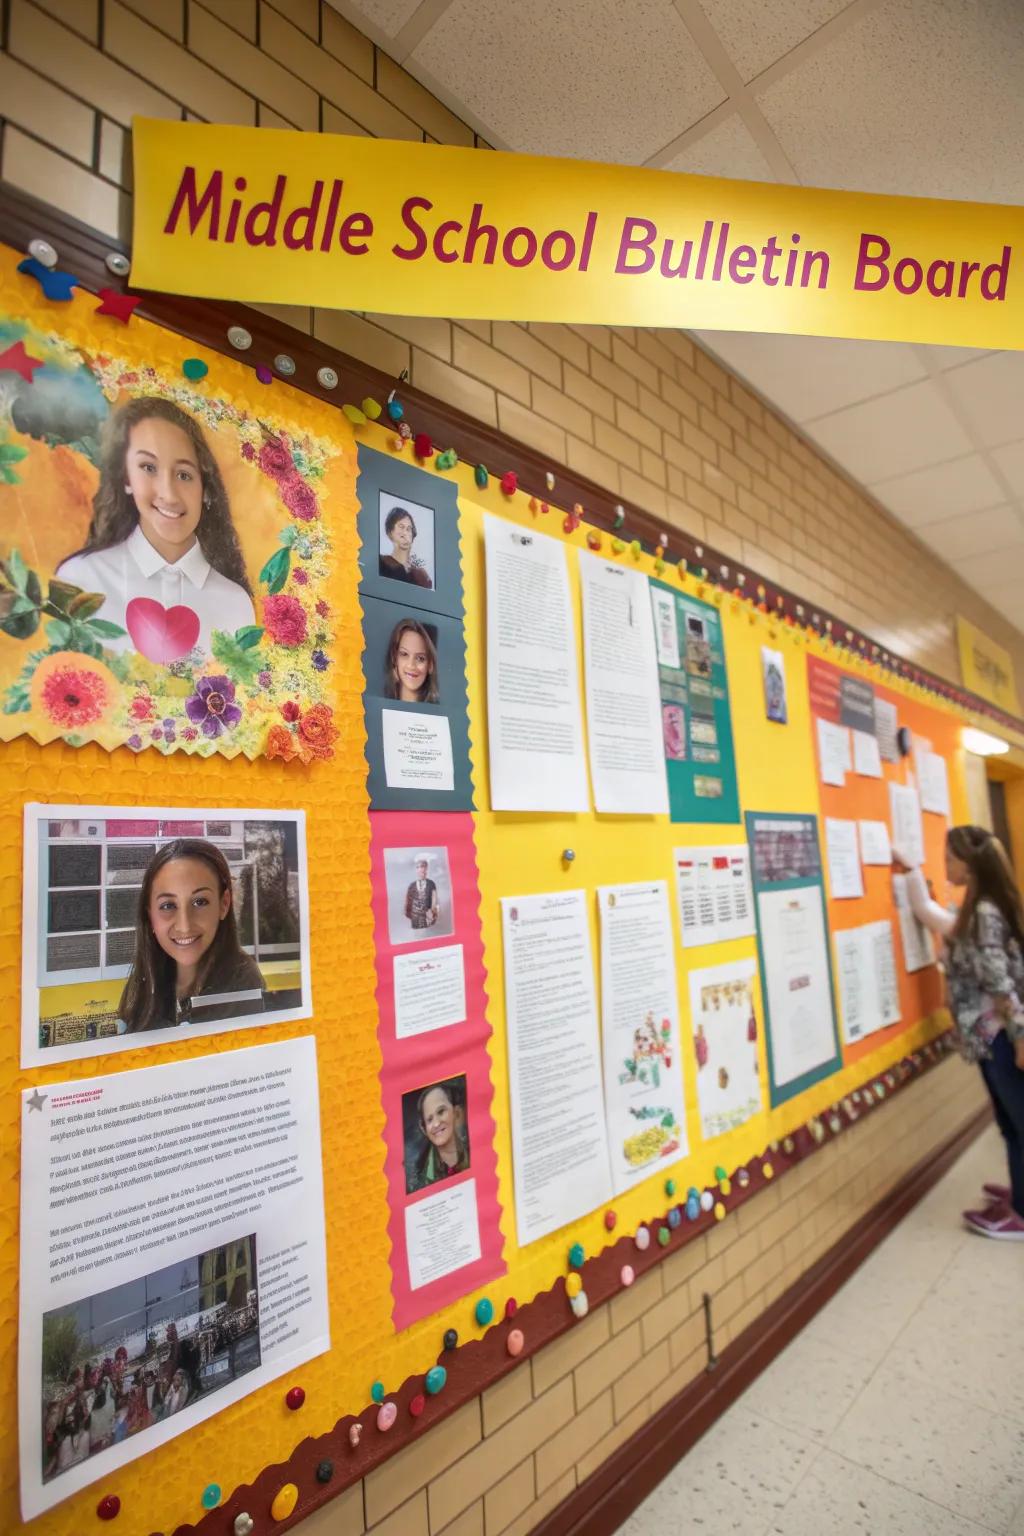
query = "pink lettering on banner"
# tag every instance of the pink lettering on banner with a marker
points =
(133, 829)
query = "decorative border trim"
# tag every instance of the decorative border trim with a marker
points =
(84, 251)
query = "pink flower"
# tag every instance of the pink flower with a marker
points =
(284, 619)
(275, 460)
(248, 452)
(290, 710)
(299, 499)
(300, 578)
(322, 609)
(141, 707)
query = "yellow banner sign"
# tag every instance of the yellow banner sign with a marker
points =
(986, 668)
(272, 216)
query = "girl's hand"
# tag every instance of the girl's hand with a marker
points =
(901, 861)
(1018, 1052)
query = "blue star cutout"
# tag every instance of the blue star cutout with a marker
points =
(55, 285)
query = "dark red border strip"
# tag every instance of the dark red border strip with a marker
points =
(82, 251)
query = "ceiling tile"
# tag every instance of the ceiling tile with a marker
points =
(1000, 528)
(727, 150)
(1011, 461)
(809, 376)
(995, 568)
(940, 491)
(892, 435)
(915, 97)
(949, 357)
(617, 85)
(990, 393)
(755, 35)
(387, 17)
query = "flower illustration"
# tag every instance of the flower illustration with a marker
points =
(248, 451)
(300, 499)
(300, 577)
(322, 609)
(284, 619)
(73, 690)
(318, 732)
(275, 460)
(320, 661)
(280, 743)
(212, 707)
(290, 711)
(135, 742)
(141, 707)
(189, 733)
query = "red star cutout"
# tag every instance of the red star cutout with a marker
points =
(120, 305)
(17, 360)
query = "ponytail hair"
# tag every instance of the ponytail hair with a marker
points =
(991, 879)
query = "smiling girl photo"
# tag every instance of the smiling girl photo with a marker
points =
(410, 669)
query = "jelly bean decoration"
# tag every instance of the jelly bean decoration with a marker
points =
(377, 1392)
(707, 1200)
(768, 1170)
(194, 368)
(617, 546)
(422, 447)
(285, 1500)
(396, 444)
(549, 480)
(593, 539)
(726, 1187)
(355, 415)
(325, 1469)
(417, 1405)
(484, 1311)
(610, 1221)
(693, 1193)
(576, 1255)
(515, 1341)
(243, 1524)
(264, 374)
(451, 1339)
(719, 1211)
(509, 483)
(511, 1307)
(396, 410)
(544, 509)
(580, 1305)
(355, 1434)
(675, 1216)
(692, 1209)
(435, 1379)
(371, 408)
(210, 1496)
(635, 548)
(386, 1417)
(642, 1238)
(720, 1174)
(533, 505)
(670, 1187)
(109, 1507)
(626, 1275)
(743, 1178)
(573, 1285)
(295, 1397)
(481, 476)
(620, 515)
(664, 1236)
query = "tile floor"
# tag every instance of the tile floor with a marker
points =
(899, 1411)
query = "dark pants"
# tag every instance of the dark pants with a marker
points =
(1005, 1082)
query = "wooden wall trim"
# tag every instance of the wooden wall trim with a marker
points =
(83, 251)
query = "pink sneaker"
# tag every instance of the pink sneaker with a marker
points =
(997, 1192)
(997, 1221)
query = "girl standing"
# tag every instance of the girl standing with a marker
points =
(984, 944)
(161, 525)
(186, 943)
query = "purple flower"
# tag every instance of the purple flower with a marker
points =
(320, 661)
(135, 742)
(212, 707)
(264, 678)
(157, 733)
(169, 725)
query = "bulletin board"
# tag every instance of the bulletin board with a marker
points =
(323, 773)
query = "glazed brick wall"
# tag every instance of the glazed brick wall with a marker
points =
(648, 415)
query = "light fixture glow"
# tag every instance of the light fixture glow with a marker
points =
(982, 744)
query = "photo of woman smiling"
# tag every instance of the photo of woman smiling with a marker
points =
(411, 665)
(186, 943)
(161, 524)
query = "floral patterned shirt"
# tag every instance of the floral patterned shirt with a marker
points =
(985, 983)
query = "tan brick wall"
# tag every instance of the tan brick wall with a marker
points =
(647, 415)
(503, 1461)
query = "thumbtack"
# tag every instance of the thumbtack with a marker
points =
(568, 855)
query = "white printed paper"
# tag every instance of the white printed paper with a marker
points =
(666, 631)
(918, 948)
(905, 818)
(173, 1229)
(442, 1233)
(867, 760)
(834, 752)
(714, 894)
(627, 762)
(843, 855)
(417, 750)
(559, 1135)
(886, 725)
(874, 843)
(535, 722)
(866, 973)
(932, 782)
(430, 990)
(643, 1073)
(794, 944)
(725, 1041)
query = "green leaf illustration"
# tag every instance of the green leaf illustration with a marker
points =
(241, 665)
(275, 572)
(248, 636)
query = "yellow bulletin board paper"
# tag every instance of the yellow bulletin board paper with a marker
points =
(275, 216)
(985, 667)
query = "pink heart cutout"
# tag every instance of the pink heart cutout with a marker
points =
(158, 633)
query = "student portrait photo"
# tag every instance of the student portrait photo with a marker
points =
(143, 922)
(436, 1133)
(419, 891)
(406, 541)
(410, 663)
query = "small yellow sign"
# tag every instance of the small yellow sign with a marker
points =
(986, 668)
(273, 216)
